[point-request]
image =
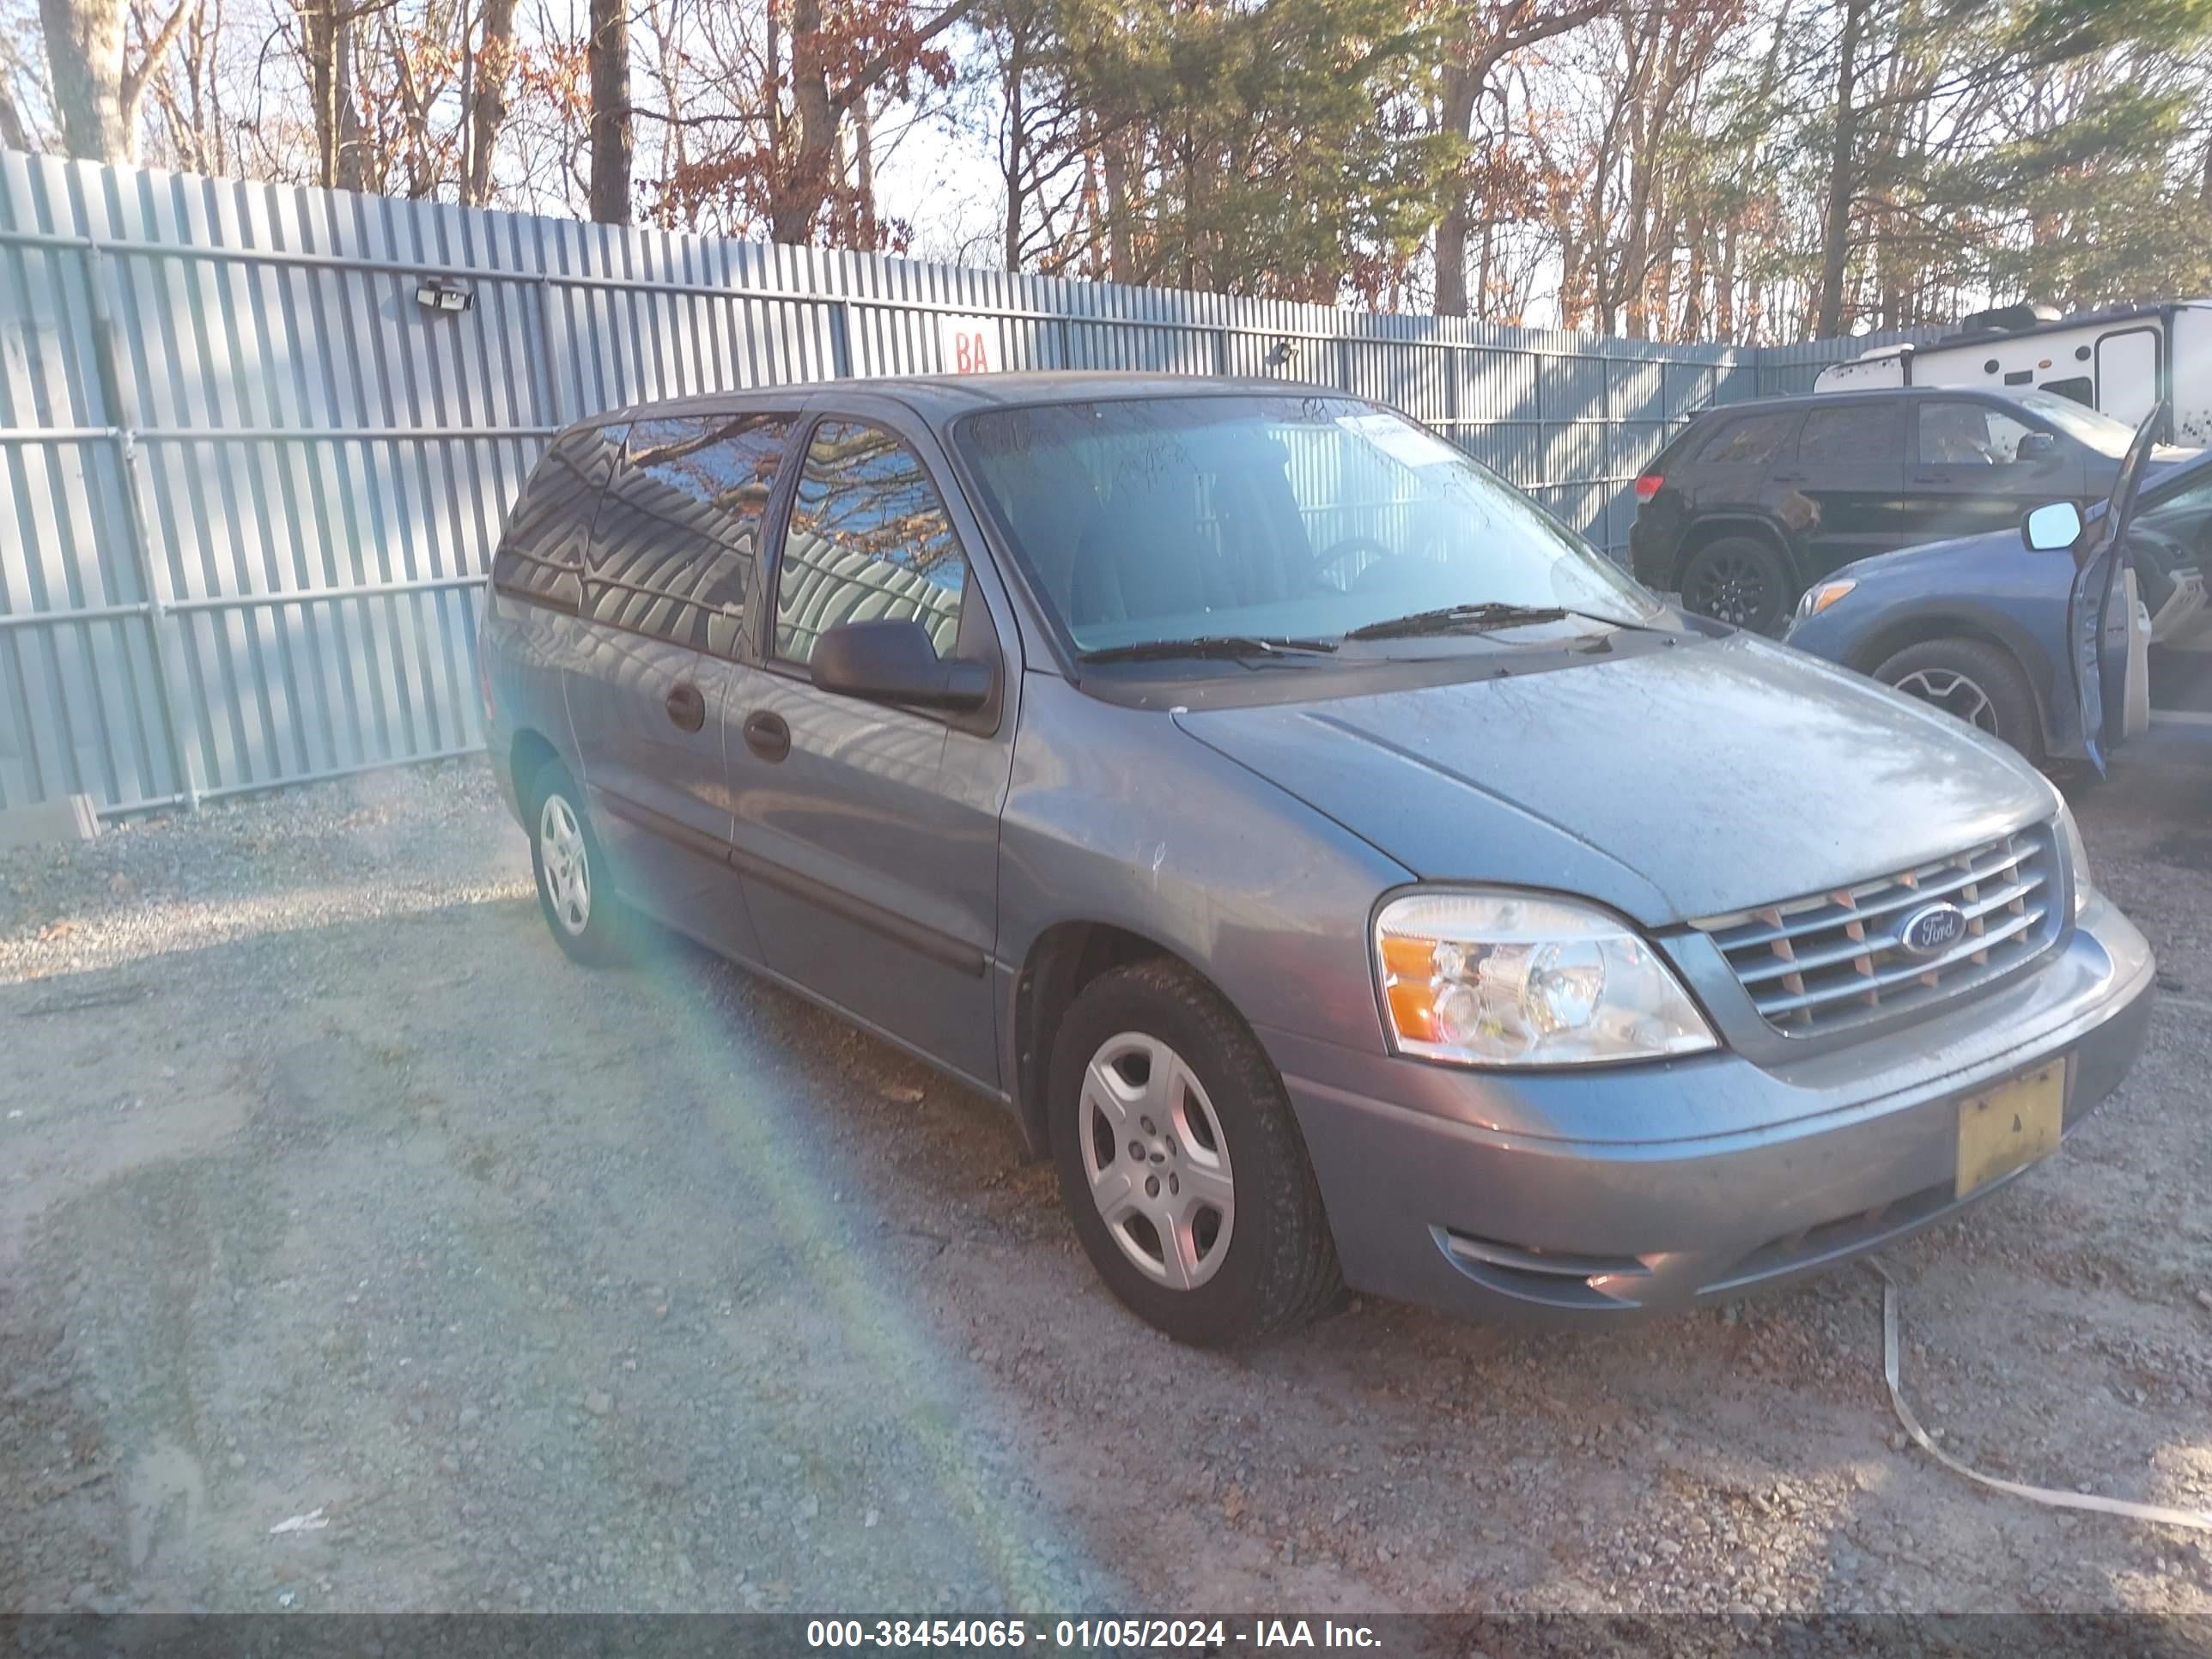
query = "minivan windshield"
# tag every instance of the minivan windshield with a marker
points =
(2100, 431)
(1242, 520)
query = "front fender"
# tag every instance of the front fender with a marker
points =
(2038, 657)
(1115, 816)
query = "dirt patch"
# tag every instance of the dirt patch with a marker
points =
(335, 1189)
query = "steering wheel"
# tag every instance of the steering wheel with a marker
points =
(1337, 552)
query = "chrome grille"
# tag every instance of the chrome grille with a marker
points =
(1827, 960)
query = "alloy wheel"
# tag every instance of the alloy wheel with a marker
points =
(1955, 694)
(567, 863)
(1157, 1161)
(1731, 587)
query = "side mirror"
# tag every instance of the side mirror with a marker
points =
(892, 660)
(2037, 448)
(2053, 526)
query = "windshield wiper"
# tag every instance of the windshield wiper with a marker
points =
(1235, 646)
(1459, 619)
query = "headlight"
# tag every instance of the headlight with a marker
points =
(1499, 978)
(2077, 856)
(1820, 597)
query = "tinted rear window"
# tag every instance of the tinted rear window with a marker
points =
(541, 552)
(1749, 440)
(1854, 433)
(678, 536)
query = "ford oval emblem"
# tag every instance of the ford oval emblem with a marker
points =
(1932, 929)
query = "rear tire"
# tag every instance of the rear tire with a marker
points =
(1181, 1163)
(1974, 680)
(1741, 581)
(575, 893)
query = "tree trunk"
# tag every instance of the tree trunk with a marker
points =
(772, 94)
(84, 58)
(1119, 257)
(609, 56)
(1692, 322)
(1462, 90)
(1010, 157)
(1093, 221)
(1836, 221)
(351, 169)
(802, 183)
(318, 44)
(1462, 81)
(1724, 285)
(864, 174)
(488, 113)
(326, 43)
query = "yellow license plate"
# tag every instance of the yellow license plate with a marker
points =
(2011, 1125)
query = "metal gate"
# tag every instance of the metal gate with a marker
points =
(256, 442)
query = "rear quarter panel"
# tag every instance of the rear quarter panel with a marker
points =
(523, 648)
(1699, 501)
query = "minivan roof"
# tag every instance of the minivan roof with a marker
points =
(938, 396)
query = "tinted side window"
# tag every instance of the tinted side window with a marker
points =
(868, 539)
(541, 552)
(678, 536)
(1854, 434)
(1968, 434)
(1748, 440)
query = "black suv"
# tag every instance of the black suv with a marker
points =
(1754, 502)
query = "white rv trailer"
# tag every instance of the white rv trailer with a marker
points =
(2121, 361)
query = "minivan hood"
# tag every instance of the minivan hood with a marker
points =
(1715, 777)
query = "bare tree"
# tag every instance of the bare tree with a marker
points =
(328, 47)
(1842, 174)
(612, 132)
(96, 94)
(494, 68)
(1483, 36)
(804, 177)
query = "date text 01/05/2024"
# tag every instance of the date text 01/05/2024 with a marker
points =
(1203, 1635)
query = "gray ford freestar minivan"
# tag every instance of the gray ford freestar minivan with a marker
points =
(1346, 873)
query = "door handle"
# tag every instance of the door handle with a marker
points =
(1785, 478)
(687, 706)
(767, 735)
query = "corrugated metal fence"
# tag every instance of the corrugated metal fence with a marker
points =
(249, 485)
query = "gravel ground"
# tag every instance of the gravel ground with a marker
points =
(329, 1189)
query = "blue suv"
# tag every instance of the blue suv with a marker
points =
(2012, 630)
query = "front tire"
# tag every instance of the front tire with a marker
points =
(1741, 581)
(1181, 1163)
(1976, 681)
(574, 894)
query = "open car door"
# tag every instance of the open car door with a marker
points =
(2099, 630)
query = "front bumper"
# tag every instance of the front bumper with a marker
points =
(1522, 1196)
